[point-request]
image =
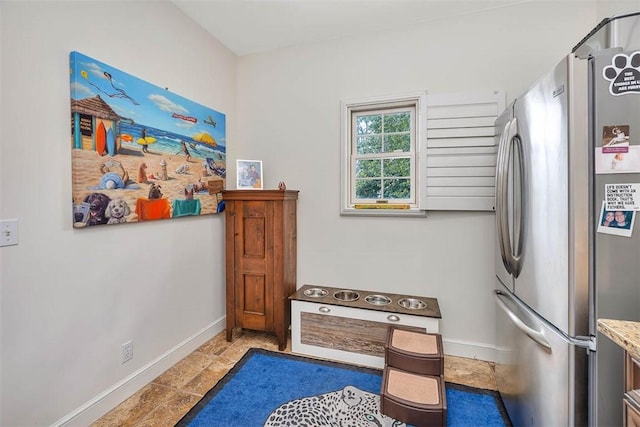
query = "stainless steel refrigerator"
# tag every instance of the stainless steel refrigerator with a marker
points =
(564, 145)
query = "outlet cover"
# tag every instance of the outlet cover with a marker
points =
(8, 232)
(127, 351)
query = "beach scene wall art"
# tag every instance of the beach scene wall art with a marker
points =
(140, 152)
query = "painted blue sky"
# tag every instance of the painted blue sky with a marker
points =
(141, 101)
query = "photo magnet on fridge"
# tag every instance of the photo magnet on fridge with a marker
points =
(617, 153)
(618, 223)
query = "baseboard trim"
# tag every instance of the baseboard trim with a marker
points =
(110, 398)
(470, 350)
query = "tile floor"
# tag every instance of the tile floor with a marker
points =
(165, 400)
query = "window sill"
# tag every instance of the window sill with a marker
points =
(411, 213)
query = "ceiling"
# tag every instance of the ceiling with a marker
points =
(252, 26)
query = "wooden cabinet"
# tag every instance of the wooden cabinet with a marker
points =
(626, 334)
(260, 260)
(632, 391)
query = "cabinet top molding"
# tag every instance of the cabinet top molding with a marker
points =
(260, 194)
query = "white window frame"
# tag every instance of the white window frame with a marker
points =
(417, 100)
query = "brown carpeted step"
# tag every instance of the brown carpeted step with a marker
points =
(412, 351)
(412, 398)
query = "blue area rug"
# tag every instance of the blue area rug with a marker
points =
(266, 388)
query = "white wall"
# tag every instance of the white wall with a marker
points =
(608, 8)
(289, 116)
(70, 298)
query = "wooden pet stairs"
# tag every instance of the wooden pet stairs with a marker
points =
(413, 389)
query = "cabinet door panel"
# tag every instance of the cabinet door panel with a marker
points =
(253, 237)
(254, 304)
(254, 310)
(632, 415)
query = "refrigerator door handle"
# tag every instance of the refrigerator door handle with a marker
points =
(519, 199)
(502, 225)
(507, 153)
(537, 336)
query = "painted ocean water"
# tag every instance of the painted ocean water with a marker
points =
(169, 143)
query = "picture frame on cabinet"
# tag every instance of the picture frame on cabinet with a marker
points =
(250, 174)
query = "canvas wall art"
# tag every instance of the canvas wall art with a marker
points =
(140, 152)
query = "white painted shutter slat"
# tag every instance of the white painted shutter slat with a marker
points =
(460, 161)
(461, 191)
(462, 181)
(463, 122)
(443, 151)
(487, 141)
(459, 132)
(457, 171)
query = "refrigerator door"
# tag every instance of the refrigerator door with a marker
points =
(616, 256)
(543, 130)
(540, 375)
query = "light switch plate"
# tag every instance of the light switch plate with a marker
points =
(8, 232)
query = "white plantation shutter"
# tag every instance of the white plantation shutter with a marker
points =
(461, 150)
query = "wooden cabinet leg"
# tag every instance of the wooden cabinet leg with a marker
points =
(282, 342)
(229, 334)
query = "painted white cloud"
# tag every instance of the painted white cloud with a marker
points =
(167, 105)
(80, 90)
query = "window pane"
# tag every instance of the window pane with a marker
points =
(366, 125)
(397, 122)
(368, 168)
(369, 144)
(397, 189)
(382, 154)
(397, 167)
(368, 189)
(398, 142)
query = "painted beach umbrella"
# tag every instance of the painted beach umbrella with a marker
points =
(205, 138)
